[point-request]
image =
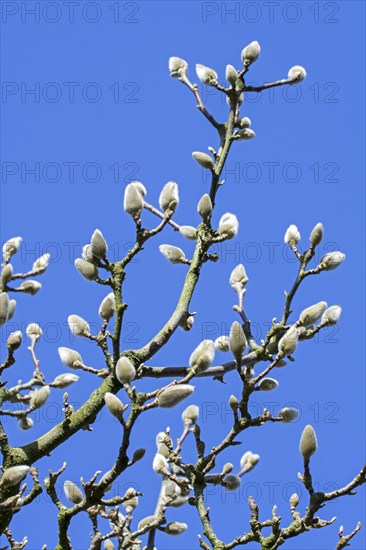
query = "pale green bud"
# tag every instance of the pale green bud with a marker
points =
(203, 160)
(245, 122)
(316, 235)
(238, 276)
(234, 403)
(25, 423)
(175, 528)
(30, 287)
(108, 545)
(297, 74)
(237, 341)
(125, 371)
(140, 188)
(33, 331)
(108, 307)
(172, 395)
(4, 307)
(294, 500)
(39, 397)
(173, 254)
(133, 202)
(114, 405)
(160, 464)
(41, 264)
(86, 269)
(149, 520)
(64, 380)
(204, 207)
(245, 133)
(222, 343)
(332, 260)
(202, 357)
(73, 493)
(206, 75)
(310, 315)
(268, 384)
(188, 232)
(69, 356)
(98, 244)
(228, 226)
(292, 235)
(13, 476)
(231, 482)
(190, 415)
(11, 247)
(308, 442)
(7, 273)
(169, 197)
(14, 340)
(231, 74)
(11, 310)
(331, 315)
(176, 66)
(250, 53)
(77, 325)
(288, 414)
(289, 341)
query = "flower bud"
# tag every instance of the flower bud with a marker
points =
(30, 287)
(108, 545)
(69, 357)
(108, 307)
(237, 341)
(222, 343)
(292, 235)
(190, 415)
(172, 395)
(179, 501)
(86, 269)
(11, 247)
(289, 341)
(294, 500)
(331, 315)
(176, 64)
(140, 188)
(308, 442)
(133, 202)
(4, 307)
(288, 414)
(227, 468)
(204, 207)
(187, 323)
(245, 133)
(163, 450)
(65, 380)
(146, 521)
(160, 464)
(39, 397)
(14, 340)
(268, 384)
(228, 226)
(13, 476)
(231, 74)
(78, 326)
(248, 461)
(138, 454)
(132, 503)
(175, 528)
(245, 122)
(316, 235)
(310, 315)
(203, 160)
(238, 276)
(114, 405)
(41, 264)
(250, 53)
(170, 489)
(25, 423)
(332, 260)
(188, 232)
(33, 331)
(98, 245)
(231, 482)
(169, 197)
(125, 371)
(297, 74)
(87, 254)
(173, 254)
(11, 310)
(72, 492)
(6, 273)
(206, 75)
(202, 357)
(234, 403)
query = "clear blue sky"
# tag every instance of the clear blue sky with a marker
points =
(104, 111)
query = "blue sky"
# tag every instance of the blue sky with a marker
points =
(103, 112)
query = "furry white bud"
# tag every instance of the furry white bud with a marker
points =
(316, 235)
(202, 357)
(30, 287)
(125, 371)
(140, 188)
(231, 482)
(331, 315)
(289, 341)
(245, 133)
(173, 254)
(238, 276)
(297, 74)
(175, 528)
(4, 307)
(311, 314)
(237, 341)
(268, 384)
(292, 235)
(12, 305)
(245, 122)
(133, 202)
(69, 357)
(86, 269)
(64, 380)
(108, 307)
(231, 74)
(25, 423)
(11, 247)
(190, 415)
(176, 65)
(39, 397)
(87, 254)
(187, 323)
(41, 264)
(288, 414)
(294, 500)
(332, 260)
(72, 492)
(206, 75)
(172, 395)
(160, 464)
(248, 461)
(6, 273)
(108, 545)
(131, 503)
(149, 520)
(228, 226)
(14, 340)
(250, 53)
(98, 245)
(13, 476)
(188, 232)
(114, 405)
(203, 160)
(308, 442)
(169, 197)
(222, 343)
(33, 331)
(77, 325)
(204, 207)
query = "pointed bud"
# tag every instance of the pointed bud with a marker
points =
(248, 461)
(176, 65)
(288, 414)
(292, 235)
(331, 315)
(245, 122)
(179, 501)
(228, 226)
(172, 395)
(108, 545)
(69, 356)
(202, 357)
(250, 53)
(78, 326)
(238, 276)
(140, 188)
(108, 307)
(169, 197)
(98, 245)
(297, 74)
(11, 310)
(14, 340)
(11, 247)
(72, 492)
(87, 254)
(203, 160)
(332, 260)
(13, 476)
(190, 415)
(33, 331)
(231, 74)
(41, 264)
(6, 273)
(173, 254)
(30, 287)
(133, 202)
(268, 384)
(237, 341)
(25, 423)
(138, 455)
(114, 405)
(308, 442)
(125, 371)
(231, 482)
(86, 269)
(146, 521)
(245, 133)
(316, 235)
(204, 207)
(188, 232)
(206, 75)
(294, 500)
(289, 341)
(65, 380)
(4, 307)
(160, 464)
(39, 397)
(310, 315)
(175, 528)
(130, 504)
(187, 323)
(222, 343)
(234, 403)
